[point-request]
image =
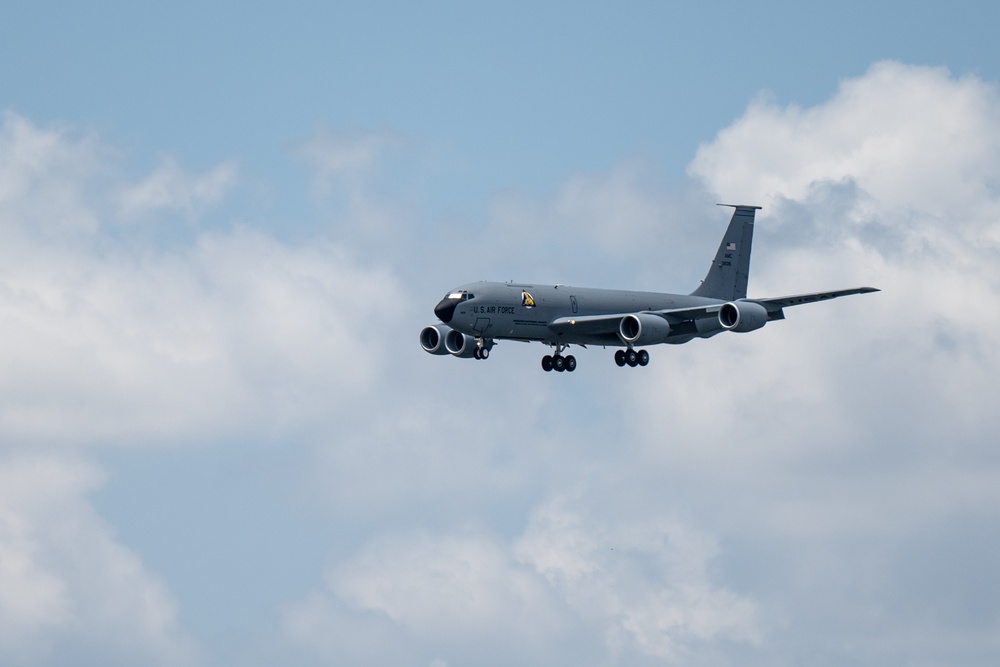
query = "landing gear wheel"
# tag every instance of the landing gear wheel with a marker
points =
(632, 358)
(546, 363)
(620, 357)
(643, 357)
(559, 363)
(484, 353)
(476, 353)
(570, 363)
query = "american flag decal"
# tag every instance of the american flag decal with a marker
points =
(730, 246)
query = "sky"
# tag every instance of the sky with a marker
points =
(223, 226)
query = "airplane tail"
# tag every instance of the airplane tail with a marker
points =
(730, 271)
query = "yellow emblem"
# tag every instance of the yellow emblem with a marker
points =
(526, 300)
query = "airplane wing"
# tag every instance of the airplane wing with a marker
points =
(596, 325)
(777, 303)
(608, 324)
(588, 325)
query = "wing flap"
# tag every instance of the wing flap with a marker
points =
(588, 325)
(608, 324)
(678, 315)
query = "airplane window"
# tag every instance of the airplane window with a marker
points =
(455, 295)
(470, 296)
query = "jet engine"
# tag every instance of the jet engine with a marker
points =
(432, 338)
(464, 346)
(460, 344)
(643, 329)
(742, 316)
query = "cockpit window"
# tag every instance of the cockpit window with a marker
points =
(455, 295)
(461, 296)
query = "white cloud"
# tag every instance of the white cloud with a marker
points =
(43, 177)
(615, 590)
(865, 424)
(911, 138)
(65, 584)
(347, 171)
(172, 189)
(811, 455)
(106, 339)
(816, 449)
(598, 229)
(892, 182)
(342, 158)
(347, 161)
(438, 587)
(644, 583)
(324, 626)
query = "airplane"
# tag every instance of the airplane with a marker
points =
(476, 315)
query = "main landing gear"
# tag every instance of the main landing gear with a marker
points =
(559, 363)
(632, 357)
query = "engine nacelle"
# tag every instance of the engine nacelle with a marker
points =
(432, 338)
(742, 316)
(643, 329)
(460, 344)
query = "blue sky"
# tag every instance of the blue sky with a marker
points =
(223, 227)
(512, 96)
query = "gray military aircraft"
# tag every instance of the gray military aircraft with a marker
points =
(476, 315)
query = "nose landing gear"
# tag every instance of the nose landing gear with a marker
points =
(482, 350)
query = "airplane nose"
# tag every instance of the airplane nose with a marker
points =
(445, 310)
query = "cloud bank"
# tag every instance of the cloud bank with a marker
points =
(824, 490)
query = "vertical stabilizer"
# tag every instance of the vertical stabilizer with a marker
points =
(730, 271)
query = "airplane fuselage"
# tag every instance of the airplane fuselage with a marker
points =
(518, 311)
